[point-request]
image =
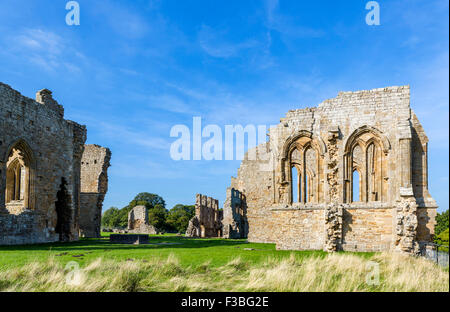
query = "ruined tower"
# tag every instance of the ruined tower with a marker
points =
(94, 185)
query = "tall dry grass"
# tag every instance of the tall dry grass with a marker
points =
(335, 272)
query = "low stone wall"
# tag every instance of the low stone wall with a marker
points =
(368, 229)
(304, 228)
(298, 229)
(129, 238)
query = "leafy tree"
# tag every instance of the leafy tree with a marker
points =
(157, 217)
(179, 216)
(110, 217)
(441, 222)
(147, 199)
(118, 218)
(442, 239)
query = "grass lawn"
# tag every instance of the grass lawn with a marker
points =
(173, 263)
(190, 252)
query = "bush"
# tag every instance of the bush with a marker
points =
(441, 223)
(442, 239)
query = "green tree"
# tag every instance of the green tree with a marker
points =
(110, 218)
(179, 216)
(118, 218)
(147, 199)
(441, 222)
(157, 217)
(442, 239)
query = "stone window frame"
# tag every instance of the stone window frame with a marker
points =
(382, 144)
(25, 159)
(303, 140)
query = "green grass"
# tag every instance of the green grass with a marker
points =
(174, 263)
(190, 252)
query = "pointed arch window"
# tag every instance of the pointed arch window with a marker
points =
(18, 177)
(305, 171)
(364, 170)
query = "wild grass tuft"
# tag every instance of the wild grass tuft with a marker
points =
(333, 272)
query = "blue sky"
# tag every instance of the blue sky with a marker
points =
(133, 69)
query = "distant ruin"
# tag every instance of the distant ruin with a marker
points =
(207, 221)
(138, 221)
(350, 174)
(40, 170)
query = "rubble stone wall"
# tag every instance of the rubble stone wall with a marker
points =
(368, 136)
(138, 221)
(94, 185)
(207, 221)
(35, 137)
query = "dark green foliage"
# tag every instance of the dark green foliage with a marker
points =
(147, 199)
(111, 218)
(174, 220)
(442, 239)
(441, 222)
(118, 218)
(179, 216)
(157, 217)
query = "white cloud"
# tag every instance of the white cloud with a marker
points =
(214, 43)
(44, 49)
(286, 26)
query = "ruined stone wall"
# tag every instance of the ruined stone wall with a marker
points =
(366, 229)
(373, 134)
(50, 148)
(94, 185)
(138, 221)
(235, 215)
(207, 221)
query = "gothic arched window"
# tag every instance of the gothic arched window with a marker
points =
(304, 171)
(18, 177)
(364, 161)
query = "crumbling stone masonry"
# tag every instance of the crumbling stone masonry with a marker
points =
(138, 221)
(350, 174)
(94, 185)
(40, 170)
(235, 215)
(207, 221)
(40, 167)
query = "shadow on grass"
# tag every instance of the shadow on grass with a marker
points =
(156, 242)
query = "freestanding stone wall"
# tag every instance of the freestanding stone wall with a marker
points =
(349, 174)
(234, 215)
(40, 157)
(94, 185)
(138, 221)
(207, 221)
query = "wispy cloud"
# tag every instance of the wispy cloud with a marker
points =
(214, 43)
(286, 26)
(142, 138)
(42, 48)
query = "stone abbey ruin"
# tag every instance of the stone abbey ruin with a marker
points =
(51, 185)
(350, 174)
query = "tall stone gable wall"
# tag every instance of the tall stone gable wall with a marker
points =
(207, 221)
(404, 212)
(54, 146)
(234, 215)
(94, 185)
